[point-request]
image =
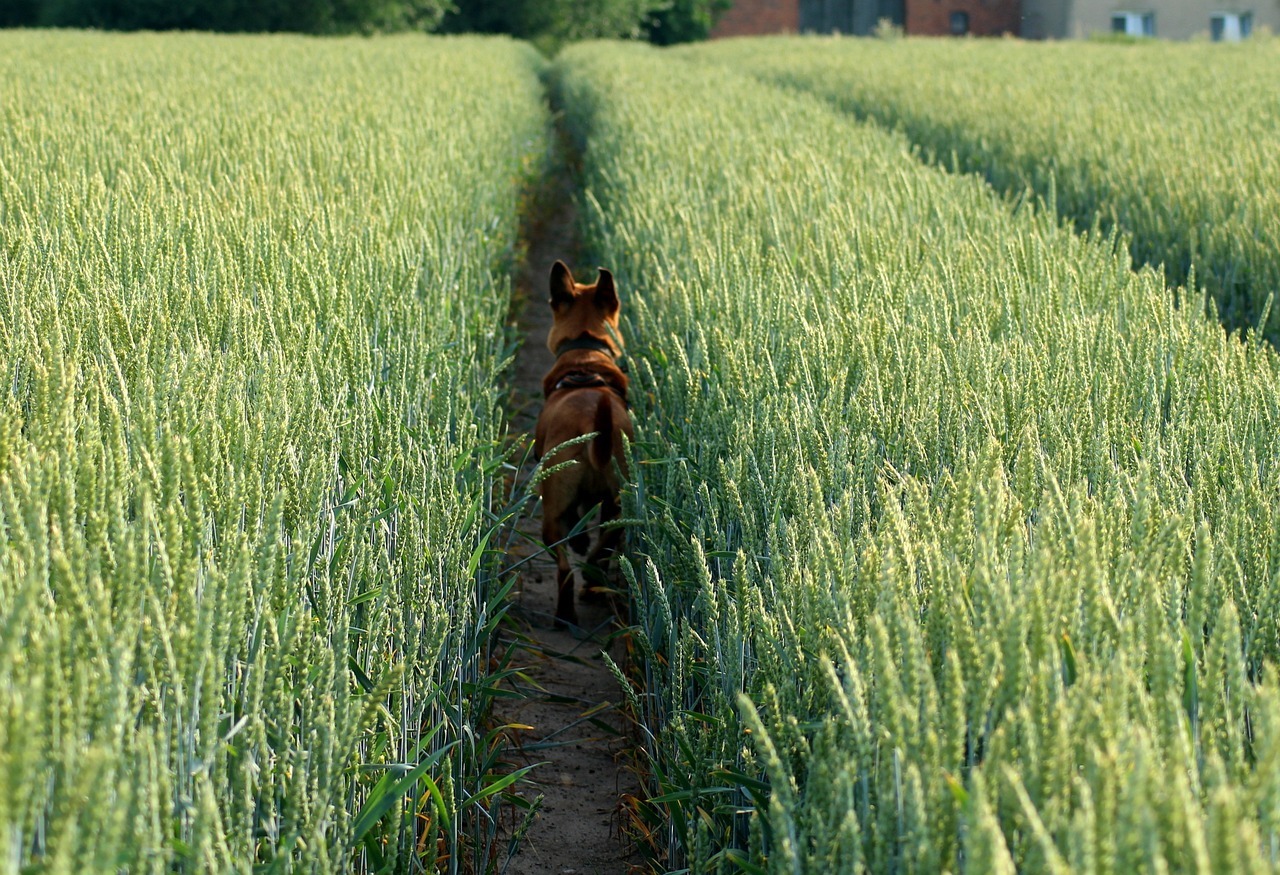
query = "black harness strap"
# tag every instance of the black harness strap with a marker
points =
(582, 380)
(586, 341)
(587, 380)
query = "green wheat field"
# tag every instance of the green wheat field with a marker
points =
(954, 523)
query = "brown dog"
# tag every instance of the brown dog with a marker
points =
(585, 392)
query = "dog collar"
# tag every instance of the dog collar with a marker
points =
(586, 341)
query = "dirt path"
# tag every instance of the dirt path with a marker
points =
(570, 704)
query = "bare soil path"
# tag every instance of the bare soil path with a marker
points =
(570, 700)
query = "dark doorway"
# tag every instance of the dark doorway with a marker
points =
(857, 17)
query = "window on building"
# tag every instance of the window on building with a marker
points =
(959, 23)
(1230, 26)
(1134, 23)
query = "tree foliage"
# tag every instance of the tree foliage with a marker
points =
(15, 13)
(684, 21)
(662, 21)
(307, 16)
(557, 21)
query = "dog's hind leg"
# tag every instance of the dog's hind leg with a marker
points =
(552, 533)
(566, 610)
(580, 542)
(596, 580)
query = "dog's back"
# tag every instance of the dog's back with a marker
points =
(570, 415)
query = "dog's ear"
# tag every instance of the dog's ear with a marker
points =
(561, 284)
(606, 292)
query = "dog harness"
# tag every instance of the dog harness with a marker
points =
(587, 379)
(582, 380)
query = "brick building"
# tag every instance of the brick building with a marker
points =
(963, 17)
(859, 17)
(758, 17)
(1032, 19)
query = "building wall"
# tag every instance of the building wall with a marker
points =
(757, 17)
(986, 17)
(1175, 19)
(827, 16)
(1045, 19)
(858, 17)
(1032, 19)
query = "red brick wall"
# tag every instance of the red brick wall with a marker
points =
(986, 17)
(755, 17)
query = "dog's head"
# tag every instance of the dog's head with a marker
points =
(584, 311)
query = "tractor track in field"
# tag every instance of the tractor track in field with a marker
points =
(566, 716)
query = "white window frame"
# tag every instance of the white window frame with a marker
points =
(1234, 26)
(1135, 23)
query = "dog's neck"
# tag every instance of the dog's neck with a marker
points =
(586, 341)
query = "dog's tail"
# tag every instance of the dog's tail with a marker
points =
(601, 451)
